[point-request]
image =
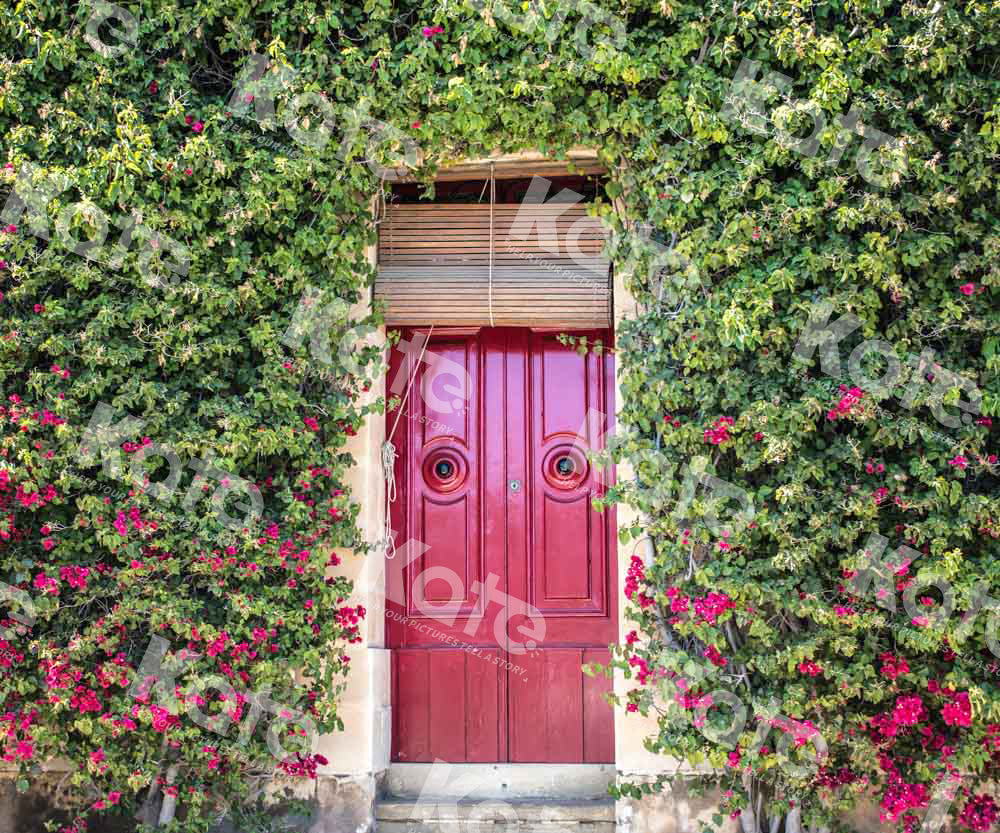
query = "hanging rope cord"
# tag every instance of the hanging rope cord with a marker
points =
(493, 199)
(389, 454)
(389, 457)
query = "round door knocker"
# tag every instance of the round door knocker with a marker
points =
(565, 466)
(445, 469)
(515, 485)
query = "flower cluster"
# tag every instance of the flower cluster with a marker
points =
(302, 766)
(849, 400)
(893, 666)
(718, 432)
(636, 574)
(979, 813)
(957, 711)
(714, 657)
(809, 668)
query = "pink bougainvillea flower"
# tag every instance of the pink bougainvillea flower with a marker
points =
(809, 667)
(10, 229)
(114, 796)
(3, 264)
(39, 308)
(415, 125)
(188, 172)
(719, 432)
(967, 288)
(845, 406)
(958, 712)
(893, 666)
(958, 461)
(197, 127)
(153, 87)
(756, 233)
(714, 657)
(980, 813)
(189, 120)
(311, 423)
(429, 32)
(909, 711)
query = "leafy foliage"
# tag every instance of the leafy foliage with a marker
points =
(153, 133)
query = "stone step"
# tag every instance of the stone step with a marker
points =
(492, 827)
(506, 782)
(395, 815)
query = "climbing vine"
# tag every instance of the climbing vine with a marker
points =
(180, 178)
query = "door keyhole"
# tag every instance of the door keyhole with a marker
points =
(515, 485)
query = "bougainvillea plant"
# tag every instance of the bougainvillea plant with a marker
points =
(819, 521)
(171, 662)
(152, 136)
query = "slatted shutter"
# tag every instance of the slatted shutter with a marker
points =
(435, 265)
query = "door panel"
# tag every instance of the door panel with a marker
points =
(558, 714)
(498, 491)
(566, 571)
(446, 704)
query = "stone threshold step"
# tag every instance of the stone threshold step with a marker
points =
(514, 814)
(456, 826)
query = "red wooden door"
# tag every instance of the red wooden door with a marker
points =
(507, 587)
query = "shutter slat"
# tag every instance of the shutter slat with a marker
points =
(434, 265)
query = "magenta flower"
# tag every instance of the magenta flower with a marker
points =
(197, 127)
(958, 712)
(967, 288)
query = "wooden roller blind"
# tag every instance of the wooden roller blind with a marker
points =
(547, 266)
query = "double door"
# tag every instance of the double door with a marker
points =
(502, 586)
